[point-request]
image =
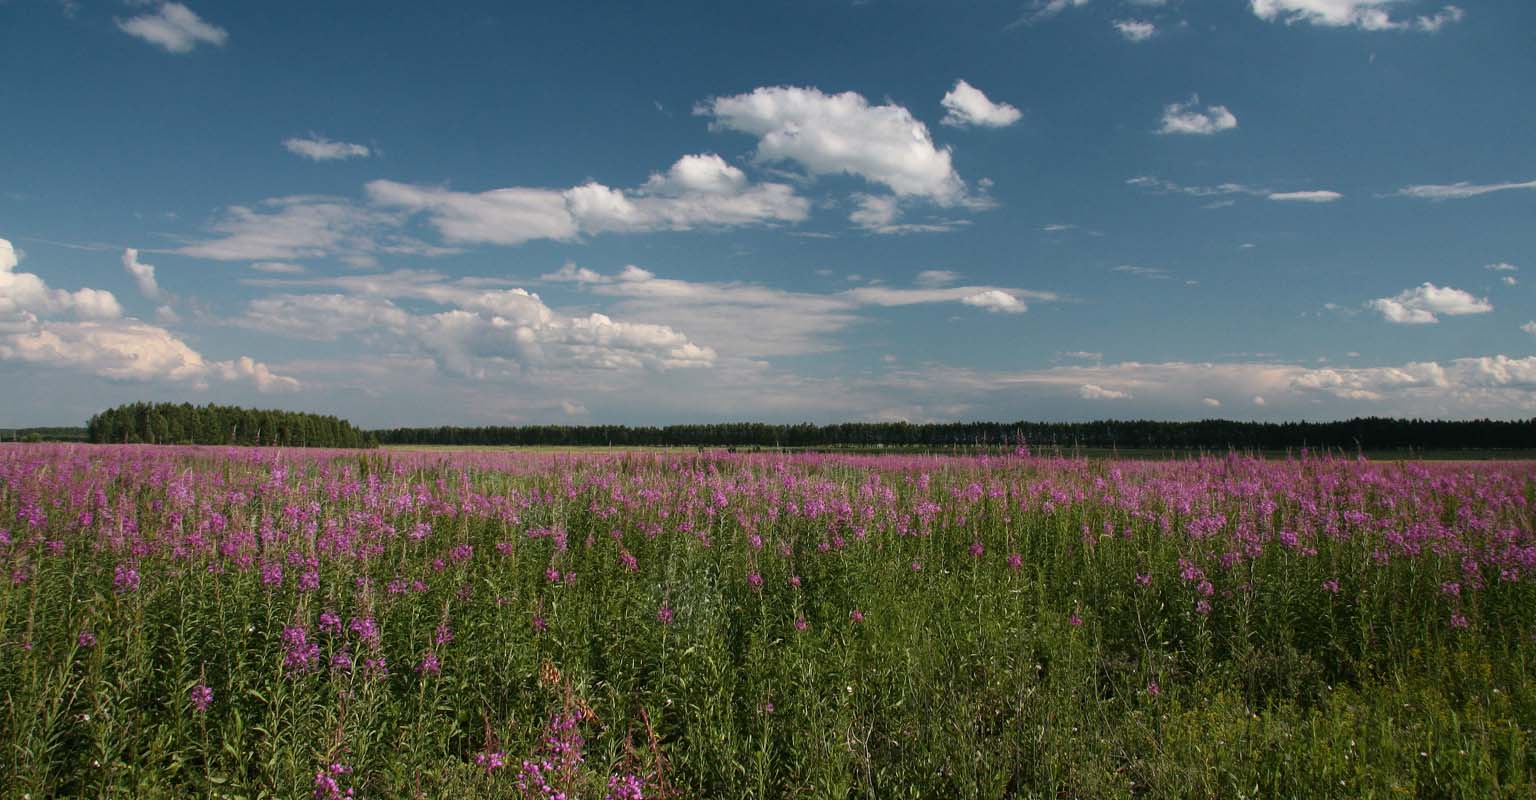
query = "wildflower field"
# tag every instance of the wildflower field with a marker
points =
(223, 622)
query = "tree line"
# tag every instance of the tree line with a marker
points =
(171, 423)
(1369, 433)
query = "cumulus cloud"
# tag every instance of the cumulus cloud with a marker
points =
(1368, 15)
(24, 297)
(830, 134)
(1093, 391)
(143, 274)
(1135, 30)
(173, 27)
(1312, 196)
(98, 340)
(996, 300)
(478, 331)
(1187, 118)
(319, 148)
(1460, 190)
(968, 106)
(1423, 305)
(697, 191)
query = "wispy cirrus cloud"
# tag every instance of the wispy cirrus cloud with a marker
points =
(319, 148)
(1370, 15)
(1461, 190)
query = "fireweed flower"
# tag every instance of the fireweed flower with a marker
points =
(491, 762)
(125, 579)
(201, 697)
(794, 580)
(1458, 620)
(801, 624)
(299, 654)
(1144, 580)
(1075, 620)
(665, 615)
(977, 549)
(429, 665)
(856, 616)
(86, 639)
(1015, 561)
(443, 635)
(327, 787)
(1331, 586)
(755, 580)
(1153, 689)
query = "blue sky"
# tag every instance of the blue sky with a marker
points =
(672, 212)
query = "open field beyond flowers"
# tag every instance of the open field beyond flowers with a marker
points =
(255, 623)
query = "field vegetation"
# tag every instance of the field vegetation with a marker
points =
(222, 622)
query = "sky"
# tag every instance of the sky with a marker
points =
(655, 213)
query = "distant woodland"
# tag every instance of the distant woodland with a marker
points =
(169, 423)
(1371, 433)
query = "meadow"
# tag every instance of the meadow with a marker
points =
(235, 622)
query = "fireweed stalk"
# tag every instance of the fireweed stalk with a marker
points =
(199, 621)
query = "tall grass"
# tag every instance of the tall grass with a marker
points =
(239, 623)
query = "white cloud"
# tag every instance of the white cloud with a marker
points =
(143, 274)
(1187, 118)
(319, 148)
(1211, 402)
(755, 321)
(1529, 327)
(278, 267)
(1085, 355)
(1423, 304)
(1509, 280)
(929, 278)
(1154, 273)
(841, 134)
(175, 28)
(1093, 391)
(996, 300)
(1162, 186)
(1460, 190)
(1312, 196)
(1368, 15)
(967, 106)
(99, 341)
(1135, 30)
(287, 228)
(697, 191)
(500, 216)
(24, 297)
(1045, 9)
(1502, 267)
(481, 331)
